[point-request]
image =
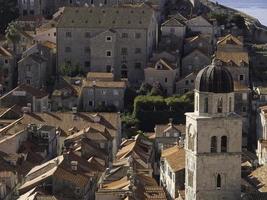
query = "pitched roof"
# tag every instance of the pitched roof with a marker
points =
(229, 39)
(163, 64)
(28, 89)
(106, 17)
(175, 156)
(198, 21)
(255, 196)
(161, 128)
(104, 84)
(100, 76)
(259, 178)
(4, 52)
(67, 120)
(173, 22)
(235, 57)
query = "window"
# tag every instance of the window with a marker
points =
(105, 2)
(137, 65)
(224, 144)
(137, 50)
(166, 80)
(137, 35)
(241, 77)
(108, 68)
(186, 82)
(87, 50)
(6, 61)
(124, 35)
(115, 92)
(244, 109)
(124, 71)
(244, 96)
(230, 104)
(108, 38)
(103, 92)
(28, 81)
(213, 144)
(92, 1)
(219, 182)
(68, 34)
(192, 81)
(206, 105)
(124, 51)
(87, 64)
(67, 49)
(55, 34)
(108, 53)
(90, 103)
(219, 105)
(172, 30)
(87, 34)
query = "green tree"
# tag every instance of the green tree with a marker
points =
(144, 89)
(157, 90)
(239, 21)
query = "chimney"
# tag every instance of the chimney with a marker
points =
(74, 165)
(171, 121)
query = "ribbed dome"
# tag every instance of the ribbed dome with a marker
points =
(214, 78)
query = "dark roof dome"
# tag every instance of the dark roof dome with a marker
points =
(214, 78)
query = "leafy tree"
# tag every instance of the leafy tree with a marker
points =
(239, 21)
(144, 89)
(12, 35)
(129, 97)
(8, 12)
(157, 90)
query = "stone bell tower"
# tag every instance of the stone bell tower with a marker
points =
(213, 138)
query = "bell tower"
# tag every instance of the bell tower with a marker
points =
(213, 138)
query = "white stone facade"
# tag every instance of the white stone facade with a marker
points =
(213, 148)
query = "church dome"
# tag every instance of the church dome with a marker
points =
(214, 78)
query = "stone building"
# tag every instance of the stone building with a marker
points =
(213, 138)
(262, 135)
(194, 61)
(7, 70)
(37, 64)
(200, 25)
(172, 171)
(186, 84)
(107, 41)
(202, 42)
(232, 52)
(163, 73)
(101, 92)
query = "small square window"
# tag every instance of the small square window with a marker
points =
(108, 38)
(87, 64)
(137, 50)
(68, 34)
(108, 68)
(90, 103)
(137, 35)
(87, 34)
(67, 49)
(124, 51)
(124, 35)
(6, 61)
(108, 53)
(138, 65)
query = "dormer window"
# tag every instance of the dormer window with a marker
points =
(159, 66)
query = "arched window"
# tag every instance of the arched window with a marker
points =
(230, 104)
(219, 182)
(213, 144)
(224, 144)
(206, 105)
(219, 105)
